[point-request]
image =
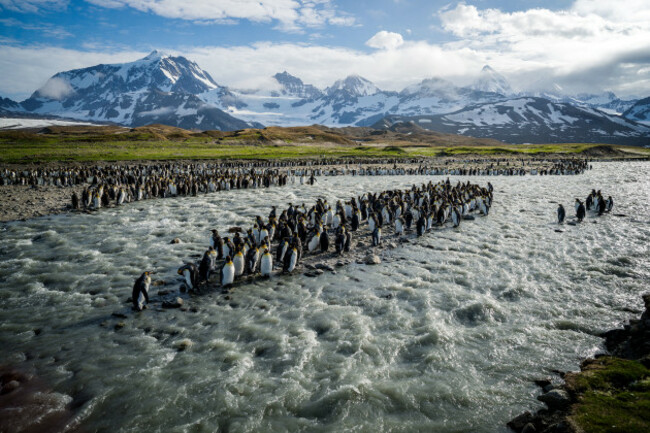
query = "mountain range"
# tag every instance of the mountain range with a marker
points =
(172, 90)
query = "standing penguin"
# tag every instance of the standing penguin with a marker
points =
(291, 260)
(313, 242)
(455, 216)
(205, 267)
(252, 258)
(239, 263)
(581, 211)
(266, 264)
(324, 241)
(217, 243)
(561, 213)
(140, 293)
(348, 242)
(399, 226)
(376, 236)
(421, 225)
(340, 241)
(356, 219)
(282, 250)
(227, 272)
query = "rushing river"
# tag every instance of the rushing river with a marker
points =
(445, 335)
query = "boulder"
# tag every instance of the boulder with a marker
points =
(518, 423)
(373, 259)
(174, 303)
(556, 399)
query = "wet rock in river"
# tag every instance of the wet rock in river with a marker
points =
(372, 259)
(556, 399)
(174, 303)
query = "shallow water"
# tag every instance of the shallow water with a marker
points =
(445, 335)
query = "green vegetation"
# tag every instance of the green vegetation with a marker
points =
(615, 396)
(158, 142)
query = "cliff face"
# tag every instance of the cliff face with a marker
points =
(609, 394)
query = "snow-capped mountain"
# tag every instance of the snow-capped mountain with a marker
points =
(607, 101)
(294, 87)
(8, 106)
(491, 81)
(639, 112)
(351, 101)
(354, 85)
(532, 120)
(148, 90)
(173, 90)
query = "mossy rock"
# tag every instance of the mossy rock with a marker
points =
(615, 396)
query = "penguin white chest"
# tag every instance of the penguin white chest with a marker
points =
(188, 280)
(238, 263)
(267, 265)
(228, 274)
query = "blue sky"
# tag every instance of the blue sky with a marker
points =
(580, 45)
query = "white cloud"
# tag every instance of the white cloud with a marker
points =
(591, 46)
(56, 88)
(584, 46)
(25, 69)
(31, 6)
(385, 40)
(291, 15)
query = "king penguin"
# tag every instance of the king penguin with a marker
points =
(140, 293)
(227, 272)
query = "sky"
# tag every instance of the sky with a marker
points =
(582, 46)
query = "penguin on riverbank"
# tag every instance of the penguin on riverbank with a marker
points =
(239, 263)
(376, 237)
(206, 266)
(581, 211)
(140, 293)
(217, 243)
(421, 225)
(290, 261)
(339, 244)
(252, 259)
(190, 274)
(324, 241)
(227, 272)
(561, 213)
(75, 201)
(266, 263)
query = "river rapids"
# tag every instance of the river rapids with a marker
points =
(445, 335)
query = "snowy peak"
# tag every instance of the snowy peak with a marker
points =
(294, 86)
(491, 81)
(639, 112)
(432, 87)
(157, 70)
(353, 85)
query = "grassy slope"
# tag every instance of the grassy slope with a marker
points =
(614, 396)
(165, 143)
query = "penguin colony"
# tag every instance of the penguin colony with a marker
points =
(281, 242)
(136, 185)
(68, 176)
(595, 202)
